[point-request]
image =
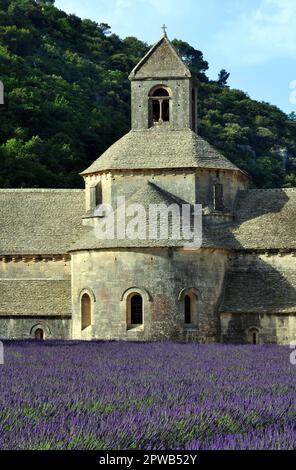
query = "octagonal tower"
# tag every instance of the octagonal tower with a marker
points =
(155, 289)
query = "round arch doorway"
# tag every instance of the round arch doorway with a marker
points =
(39, 334)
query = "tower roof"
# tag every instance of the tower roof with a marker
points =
(159, 149)
(159, 139)
(161, 61)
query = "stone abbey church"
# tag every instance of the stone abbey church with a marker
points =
(58, 280)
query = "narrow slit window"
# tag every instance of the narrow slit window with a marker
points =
(136, 310)
(187, 309)
(85, 311)
(253, 336)
(98, 195)
(218, 197)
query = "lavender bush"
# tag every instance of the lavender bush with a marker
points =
(118, 395)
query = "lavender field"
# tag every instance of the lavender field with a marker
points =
(117, 395)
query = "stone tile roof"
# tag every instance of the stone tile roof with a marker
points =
(149, 194)
(35, 297)
(260, 289)
(265, 219)
(39, 221)
(160, 148)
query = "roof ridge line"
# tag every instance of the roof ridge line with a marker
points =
(167, 193)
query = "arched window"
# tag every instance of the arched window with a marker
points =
(39, 334)
(188, 298)
(159, 105)
(253, 336)
(187, 309)
(135, 307)
(160, 93)
(136, 310)
(85, 311)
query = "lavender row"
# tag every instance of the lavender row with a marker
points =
(119, 395)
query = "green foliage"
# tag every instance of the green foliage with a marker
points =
(223, 77)
(249, 133)
(67, 99)
(66, 93)
(192, 58)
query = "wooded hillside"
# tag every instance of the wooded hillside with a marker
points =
(67, 98)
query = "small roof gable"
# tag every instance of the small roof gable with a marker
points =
(161, 61)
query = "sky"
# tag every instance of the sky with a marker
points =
(254, 40)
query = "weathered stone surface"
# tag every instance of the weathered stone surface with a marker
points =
(265, 219)
(35, 292)
(160, 148)
(160, 275)
(261, 284)
(25, 327)
(241, 283)
(161, 61)
(272, 328)
(39, 221)
(35, 297)
(260, 292)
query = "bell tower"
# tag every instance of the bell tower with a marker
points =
(164, 94)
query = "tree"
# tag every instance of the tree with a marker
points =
(192, 58)
(105, 28)
(67, 99)
(46, 2)
(223, 78)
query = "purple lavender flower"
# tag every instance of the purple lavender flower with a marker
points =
(120, 395)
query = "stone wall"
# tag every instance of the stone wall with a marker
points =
(160, 275)
(180, 184)
(260, 293)
(190, 186)
(232, 183)
(24, 328)
(272, 328)
(35, 268)
(180, 103)
(39, 294)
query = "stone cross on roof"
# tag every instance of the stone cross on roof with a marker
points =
(164, 28)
